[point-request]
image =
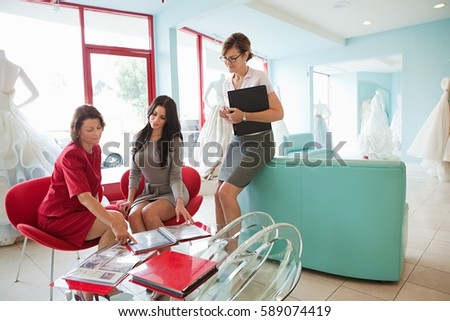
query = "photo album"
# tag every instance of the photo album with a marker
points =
(166, 236)
(107, 267)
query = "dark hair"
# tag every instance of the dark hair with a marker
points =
(240, 41)
(171, 129)
(80, 115)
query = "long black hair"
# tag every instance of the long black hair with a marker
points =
(171, 129)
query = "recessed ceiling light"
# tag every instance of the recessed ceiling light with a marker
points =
(367, 23)
(341, 4)
(439, 5)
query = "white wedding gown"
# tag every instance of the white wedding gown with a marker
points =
(375, 140)
(320, 126)
(432, 143)
(24, 154)
(213, 140)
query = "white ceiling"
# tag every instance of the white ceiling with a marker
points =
(281, 28)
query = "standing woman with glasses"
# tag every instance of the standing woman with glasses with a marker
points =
(245, 154)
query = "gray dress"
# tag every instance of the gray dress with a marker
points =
(160, 182)
(245, 156)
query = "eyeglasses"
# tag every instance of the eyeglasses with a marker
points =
(229, 59)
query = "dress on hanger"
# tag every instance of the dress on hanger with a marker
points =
(215, 134)
(375, 140)
(320, 126)
(432, 143)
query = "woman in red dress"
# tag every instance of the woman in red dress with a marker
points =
(72, 210)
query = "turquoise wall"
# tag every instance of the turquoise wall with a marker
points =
(426, 61)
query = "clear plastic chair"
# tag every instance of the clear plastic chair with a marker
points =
(266, 266)
(227, 238)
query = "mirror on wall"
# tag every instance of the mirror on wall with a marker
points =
(358, 102)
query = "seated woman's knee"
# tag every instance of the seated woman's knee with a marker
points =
(134, 218)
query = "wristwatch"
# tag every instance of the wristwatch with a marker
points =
(244, 117)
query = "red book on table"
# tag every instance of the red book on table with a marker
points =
(173, 273)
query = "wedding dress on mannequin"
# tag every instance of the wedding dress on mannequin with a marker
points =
(24, 152)
(432, 143)
(375, 140)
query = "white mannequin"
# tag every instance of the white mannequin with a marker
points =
(9, 74)
(24, 152)
(217, 86)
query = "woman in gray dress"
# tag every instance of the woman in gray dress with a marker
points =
(157, 154)
(245, 154)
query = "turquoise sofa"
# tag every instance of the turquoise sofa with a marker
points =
(352, 214)
(302, 145)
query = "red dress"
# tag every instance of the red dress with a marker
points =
(61, 213)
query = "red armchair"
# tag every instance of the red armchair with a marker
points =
(192, 181)
(21, 203)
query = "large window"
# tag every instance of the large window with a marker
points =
(118, 77)
(112, 69)
(200, 73)
(189, 85)
(46, 45)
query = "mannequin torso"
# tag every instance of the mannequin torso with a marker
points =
(9, 74)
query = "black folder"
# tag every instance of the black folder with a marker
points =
(250, 99)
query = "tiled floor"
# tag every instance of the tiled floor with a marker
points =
(426, 275)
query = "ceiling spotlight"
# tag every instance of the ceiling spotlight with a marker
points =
(439, 5)
(367, 23)
(341, 4)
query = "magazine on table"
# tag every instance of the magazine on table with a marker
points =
(107, 267)
(166, 236)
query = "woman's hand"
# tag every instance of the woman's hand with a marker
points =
(120, 231)
(235, 115)
(125, 207)
(224, 111)
(180, 210)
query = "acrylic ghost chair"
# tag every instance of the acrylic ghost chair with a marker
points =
(191, 179)
(228, 237)
(21, 203)
(265, 265)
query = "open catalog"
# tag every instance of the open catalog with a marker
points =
(166, 236)
(107, 267)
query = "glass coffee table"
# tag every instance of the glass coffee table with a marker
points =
(257, 259)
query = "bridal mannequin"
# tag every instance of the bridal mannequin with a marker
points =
(432, 143)
(375, 140)
(24, 152)
(10, 73)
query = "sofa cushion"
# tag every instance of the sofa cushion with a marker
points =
(297, 142)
